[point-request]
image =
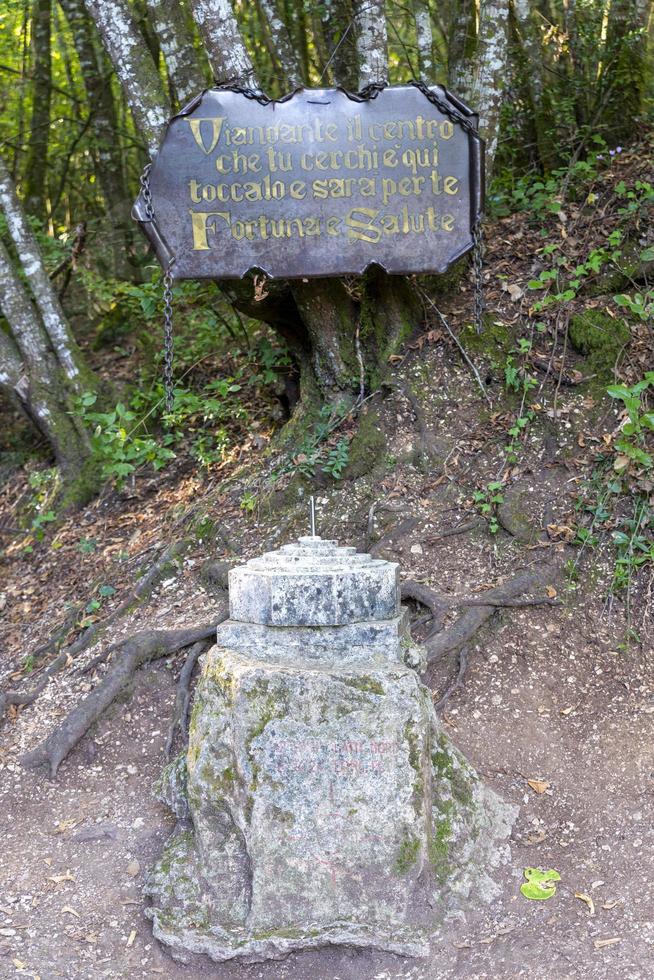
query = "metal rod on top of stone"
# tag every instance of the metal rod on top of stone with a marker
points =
(312, 509)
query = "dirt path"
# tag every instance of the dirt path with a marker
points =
(71, 901)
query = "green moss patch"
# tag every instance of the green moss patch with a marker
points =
(600, 338)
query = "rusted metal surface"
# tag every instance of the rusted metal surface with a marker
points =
(320, 184)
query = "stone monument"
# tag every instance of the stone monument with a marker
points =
(319, 801)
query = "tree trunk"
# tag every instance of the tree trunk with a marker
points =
(228, 56)
(372, 42)
(291, 69)
(134, 67)
(424, 40)
(31, 374)
(187, 74)
(37, 156)
(481, 76)
(104, 122)
(626, 57)
(55, 325)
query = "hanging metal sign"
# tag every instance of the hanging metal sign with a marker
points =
(322, 183)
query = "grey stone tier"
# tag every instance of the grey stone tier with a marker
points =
(314, 583)
(379, 641)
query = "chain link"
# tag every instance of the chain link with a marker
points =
(147, 195)
(169, 390)
(478, 275)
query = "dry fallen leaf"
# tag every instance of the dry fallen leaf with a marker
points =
(566, 711)
(59, 878)
(70, 911)
(588, 900)
(537, 837)
(132, 937)
(612, 904)
(601, 943)
(64, 825)
(551, 592)
(538, 785)
(19, 964)
(133, 869)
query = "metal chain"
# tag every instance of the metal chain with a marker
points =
(169, 390)
(478, 275)
(144, 180)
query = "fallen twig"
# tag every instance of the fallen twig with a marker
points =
(460, 347)
(459, 529)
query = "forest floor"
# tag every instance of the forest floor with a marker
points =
(553, 694)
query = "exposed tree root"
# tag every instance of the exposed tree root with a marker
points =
(142, 648)
(183, 695)
(437, 605)
(479, 609)
(465, 627)
(456, 682)
(138, 594)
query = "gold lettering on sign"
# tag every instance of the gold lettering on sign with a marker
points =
(216, 124)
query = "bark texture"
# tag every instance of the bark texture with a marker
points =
(52, 316)
(185, 68)
(424, 39)
(31, 375)
(37, 157)
(372, 42)
(480, 76)
(104, 123)
(134, 67)
(228, 56)
(281, 40)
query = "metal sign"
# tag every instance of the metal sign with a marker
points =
(323, 183)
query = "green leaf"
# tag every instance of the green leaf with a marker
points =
(539, 884)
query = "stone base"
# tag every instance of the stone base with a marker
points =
(319, 805)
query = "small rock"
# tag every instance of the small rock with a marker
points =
(416, 549)
(99, 832)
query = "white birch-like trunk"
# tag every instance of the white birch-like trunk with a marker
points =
(31, 373)
(47, 302)
(184, 68)
(134, 67)
(372, 41)
(281, 40)
(484, 74)
(424, 39)
(228, 56)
